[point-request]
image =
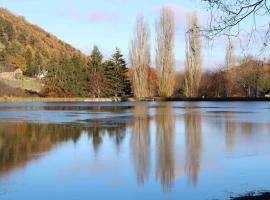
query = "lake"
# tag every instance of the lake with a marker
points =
(133, 150)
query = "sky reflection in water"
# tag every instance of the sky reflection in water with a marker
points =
(203, 150)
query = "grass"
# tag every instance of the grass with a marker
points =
(30, 84)
(11, 99)
(50, 99)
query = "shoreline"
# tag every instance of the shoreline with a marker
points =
(119, 99)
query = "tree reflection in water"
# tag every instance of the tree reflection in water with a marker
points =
(165, 137)
(230, 133)
(140, 143)
(144, 135)
(97, 134)
(193, 134)
(23, 142)
(20, 141)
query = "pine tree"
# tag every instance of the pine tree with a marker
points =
(67, 77)
(116, 74)
(110, 73)
(95, 60)
(98, 83)
(124, 86)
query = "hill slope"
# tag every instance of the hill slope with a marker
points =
(27, 46)
(6, 90)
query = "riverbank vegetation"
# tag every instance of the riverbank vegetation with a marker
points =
(66, 72)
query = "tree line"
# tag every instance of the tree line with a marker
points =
(237, 77)
(91, 77)
(71, 73)
(78, 76)
(164, 59)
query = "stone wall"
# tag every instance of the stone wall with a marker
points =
(17, 74)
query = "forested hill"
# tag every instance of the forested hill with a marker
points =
(27, 46)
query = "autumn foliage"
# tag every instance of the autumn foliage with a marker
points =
(27, 46)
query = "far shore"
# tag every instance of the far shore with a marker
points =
(118, 99)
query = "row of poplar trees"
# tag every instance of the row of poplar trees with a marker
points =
(139, 55)
(92, 77)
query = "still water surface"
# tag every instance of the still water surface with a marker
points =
(168, 150)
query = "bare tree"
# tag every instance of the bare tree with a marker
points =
(165, 61)
(193, 57)
(230, 63)
(139, 55)
(228, 16)
(230, 59)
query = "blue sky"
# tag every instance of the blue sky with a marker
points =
(109, 23)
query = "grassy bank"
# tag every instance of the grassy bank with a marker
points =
(219, 99)
(27, 83)
(41, 99)
(114, 99)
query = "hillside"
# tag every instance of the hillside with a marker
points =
(8, 91)
(27, 46)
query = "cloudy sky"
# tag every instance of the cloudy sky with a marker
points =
(109, 23)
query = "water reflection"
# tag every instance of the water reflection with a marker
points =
(23, 142)
(230, 133)
(140, 143)
(193, 134)
(153, 143)
(165, 138)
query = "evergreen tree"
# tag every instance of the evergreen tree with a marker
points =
(67, 77)
(111, 75)
(98, 84)
(81, 78)
(116, 74)
(95, 60)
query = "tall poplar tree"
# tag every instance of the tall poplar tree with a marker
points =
(193, 62)
(139, 56)
(165, 61)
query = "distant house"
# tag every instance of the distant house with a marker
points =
(42, 74)
(267, 95)
(16, 74)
